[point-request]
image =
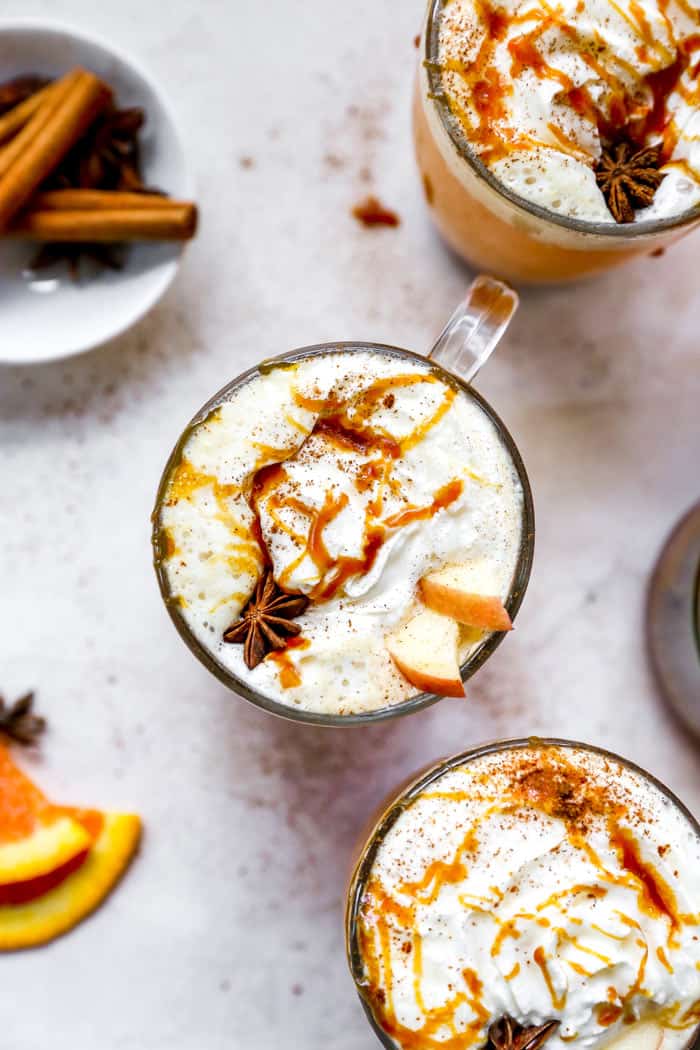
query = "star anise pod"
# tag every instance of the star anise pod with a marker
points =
(266, 621)
(17, 721)
(108, 256)
(629, 177)
(508, 1034)
(107, 157)
(17, 90)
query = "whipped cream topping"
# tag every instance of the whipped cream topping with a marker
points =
(356, 473)
(543, 883)
(538, 89)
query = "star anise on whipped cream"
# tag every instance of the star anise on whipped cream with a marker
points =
(266, 621)
(629, 177)
(508, 1034)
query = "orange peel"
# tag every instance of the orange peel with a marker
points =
(59, 910)
(57, 863)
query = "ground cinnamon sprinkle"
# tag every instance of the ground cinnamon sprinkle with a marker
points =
(545, 780)
(371, 212)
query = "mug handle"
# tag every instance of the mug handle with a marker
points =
(476, 327)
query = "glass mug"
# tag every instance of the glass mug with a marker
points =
(493, 228)
(398, 802)
(464, 345)
(673, 620)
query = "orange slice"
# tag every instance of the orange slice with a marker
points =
(57, 863)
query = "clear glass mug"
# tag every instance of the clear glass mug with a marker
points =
(673, 620)
(493, 228)
(464, 345)
(392, 809)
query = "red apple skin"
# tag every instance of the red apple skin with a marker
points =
(475, 610)
(428, 683)
(425, 651)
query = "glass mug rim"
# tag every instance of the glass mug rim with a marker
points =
(604, 230)
(418, 701)
(406, 795)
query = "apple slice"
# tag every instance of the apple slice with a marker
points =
(425, 650)
(45, 850)
(643, 1035)
(467, 593)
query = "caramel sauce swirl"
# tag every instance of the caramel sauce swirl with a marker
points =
(352, 427)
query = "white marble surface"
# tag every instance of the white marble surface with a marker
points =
(227, 931)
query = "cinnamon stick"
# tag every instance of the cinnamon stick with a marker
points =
(165, 220)
(15, 118)
(45, 139)
(14, 149)
(92, 200)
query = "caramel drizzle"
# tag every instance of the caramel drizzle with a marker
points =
(387, 919)
(608, 1013)
(289, 674)
(487, 127)
(242, 555)
(347, 426)
(558, 999)
(186, 479)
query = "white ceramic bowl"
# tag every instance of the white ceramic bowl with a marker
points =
(47, 316)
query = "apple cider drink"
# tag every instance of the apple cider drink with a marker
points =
(341, 530)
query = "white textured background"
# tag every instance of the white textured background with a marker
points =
(227, 932)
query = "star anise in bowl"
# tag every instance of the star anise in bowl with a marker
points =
(266, 621)
(108, 156)
(19, 89)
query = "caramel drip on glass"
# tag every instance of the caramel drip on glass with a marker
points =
(243, 554)
(186, 480)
